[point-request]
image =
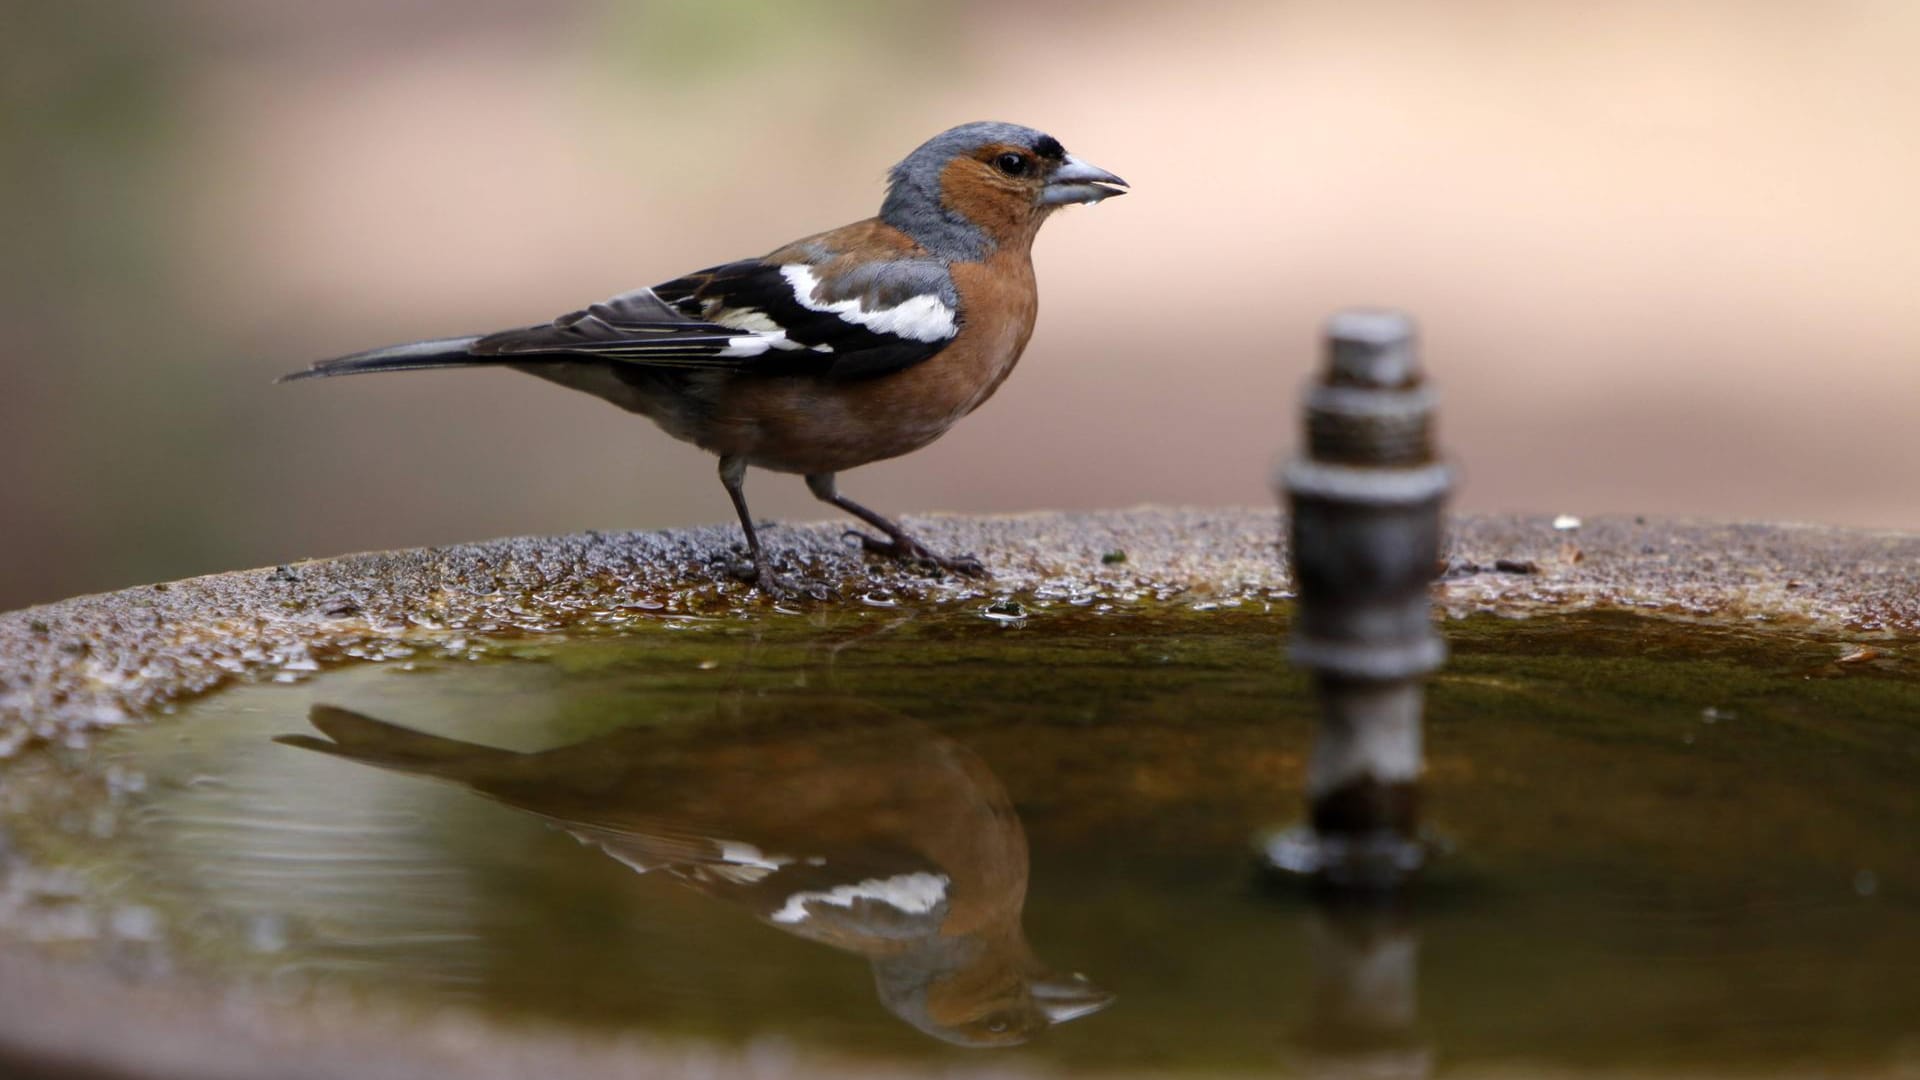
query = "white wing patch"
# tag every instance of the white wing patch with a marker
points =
(743, 318)
(739, 854)
(915, 894)
(742, 864)
(919, 318)
(764, 334)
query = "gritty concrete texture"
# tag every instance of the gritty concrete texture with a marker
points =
(99, 661)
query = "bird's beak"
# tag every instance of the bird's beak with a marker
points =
(1068, 997)
(1076, 181)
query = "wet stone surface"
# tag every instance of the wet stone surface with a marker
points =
(96, 662)
(1677, 847)
(1681, 839)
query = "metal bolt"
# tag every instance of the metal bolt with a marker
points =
(1364, 514)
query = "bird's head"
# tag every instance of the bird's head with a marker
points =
(1019, 1011)
(978, 187)
(982, 990)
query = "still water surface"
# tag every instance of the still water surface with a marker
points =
(1676, 847)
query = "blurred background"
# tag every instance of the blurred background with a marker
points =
(1664, 255)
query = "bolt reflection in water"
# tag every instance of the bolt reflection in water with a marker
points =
(1366, 995)
(832, 821)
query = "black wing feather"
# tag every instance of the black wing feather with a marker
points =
(636, 326)
(682, 324)
(675, 324)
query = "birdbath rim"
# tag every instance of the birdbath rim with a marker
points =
(72, 668)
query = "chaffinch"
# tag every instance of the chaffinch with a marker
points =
(848, 347)
(832, 821)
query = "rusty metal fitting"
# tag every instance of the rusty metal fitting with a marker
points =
(1364, 518)
(1365, 504)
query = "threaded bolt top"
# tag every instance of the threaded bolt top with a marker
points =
(1372, 348)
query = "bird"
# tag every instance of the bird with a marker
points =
(850, 346)
(832, 820)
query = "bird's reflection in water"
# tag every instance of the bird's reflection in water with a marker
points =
(834, 822)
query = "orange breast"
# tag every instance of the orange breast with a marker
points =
(816, 426)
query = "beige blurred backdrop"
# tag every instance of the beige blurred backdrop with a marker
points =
(1665, 255)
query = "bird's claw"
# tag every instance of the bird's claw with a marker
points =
(776, 586)
(908, 550)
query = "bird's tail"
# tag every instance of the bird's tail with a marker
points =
(390, 746)
(438, 353)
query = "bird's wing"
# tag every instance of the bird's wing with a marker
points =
(892, 891)
(826, 892)
(638, 326)
(819, 313)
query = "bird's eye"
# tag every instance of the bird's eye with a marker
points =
(1011, 164)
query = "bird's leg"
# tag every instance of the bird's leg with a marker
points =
(733, 474)
(898, 544)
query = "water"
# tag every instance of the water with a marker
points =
(1677, 848)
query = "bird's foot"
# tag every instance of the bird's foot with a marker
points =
(912, 552)
(761, 575)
